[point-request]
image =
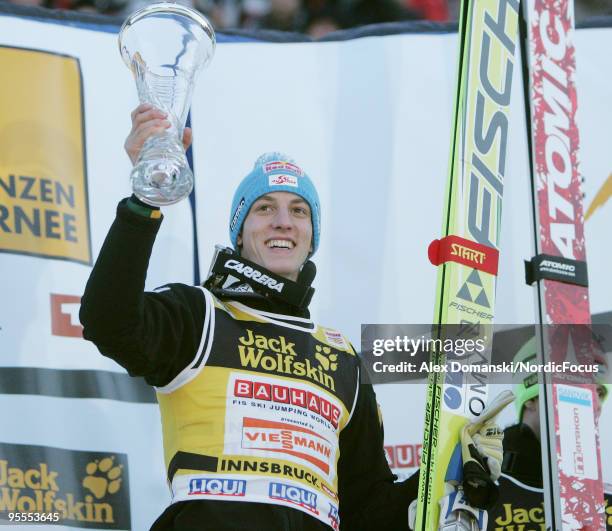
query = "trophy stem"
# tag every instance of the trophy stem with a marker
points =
(162, 175)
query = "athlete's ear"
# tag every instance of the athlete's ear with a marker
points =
(239, 240)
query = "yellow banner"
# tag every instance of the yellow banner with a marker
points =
(43, 182)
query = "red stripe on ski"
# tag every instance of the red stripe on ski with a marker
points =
(465, 252)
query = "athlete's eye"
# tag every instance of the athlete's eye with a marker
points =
(263, 207)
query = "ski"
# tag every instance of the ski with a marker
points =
(467, 253)
(573, 490)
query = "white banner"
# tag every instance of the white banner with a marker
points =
(369, 120)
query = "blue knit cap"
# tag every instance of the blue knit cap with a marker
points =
(274, 172)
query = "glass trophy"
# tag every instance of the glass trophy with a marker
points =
(165, 45)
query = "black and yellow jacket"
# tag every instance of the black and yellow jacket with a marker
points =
(266, 422)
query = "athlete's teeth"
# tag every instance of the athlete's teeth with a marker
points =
(280, 243)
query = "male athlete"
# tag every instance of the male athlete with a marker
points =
(521, 501)
(266, 423)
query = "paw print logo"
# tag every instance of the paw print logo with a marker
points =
(326, 358)
(103, 477)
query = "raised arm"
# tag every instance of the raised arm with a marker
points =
(151, 334)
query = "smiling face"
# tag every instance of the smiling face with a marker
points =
(277, 233)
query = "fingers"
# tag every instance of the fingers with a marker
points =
(146, 114)
(187, 138)
(146, 121)
(136, 139)
(146, 117)
(143, 107)
(145, 130)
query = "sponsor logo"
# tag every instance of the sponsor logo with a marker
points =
(517, 517)
(254, 275)
(43, 184)
(549, 264)
(558, 268)
(279, 356)
(284, 394)
(296, 495)
(473, 290)
(335, 338)
(87, 489)
(490, 128)
(326, 358)
(577, 429)
(283, 180)
(555, 129)
(65, 315)
(471, 311)
(257, 466)
(217, 487)
(478, 257)
(271, 436)
(278, 344)
(404, 455)
(577, 396)
(453, 396)
(334, 517)
(462, 396)
(280, 165)
(237, 214)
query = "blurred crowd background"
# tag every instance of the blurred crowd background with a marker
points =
(315, 18)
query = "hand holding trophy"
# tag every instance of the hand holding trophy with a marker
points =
(165, 45)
